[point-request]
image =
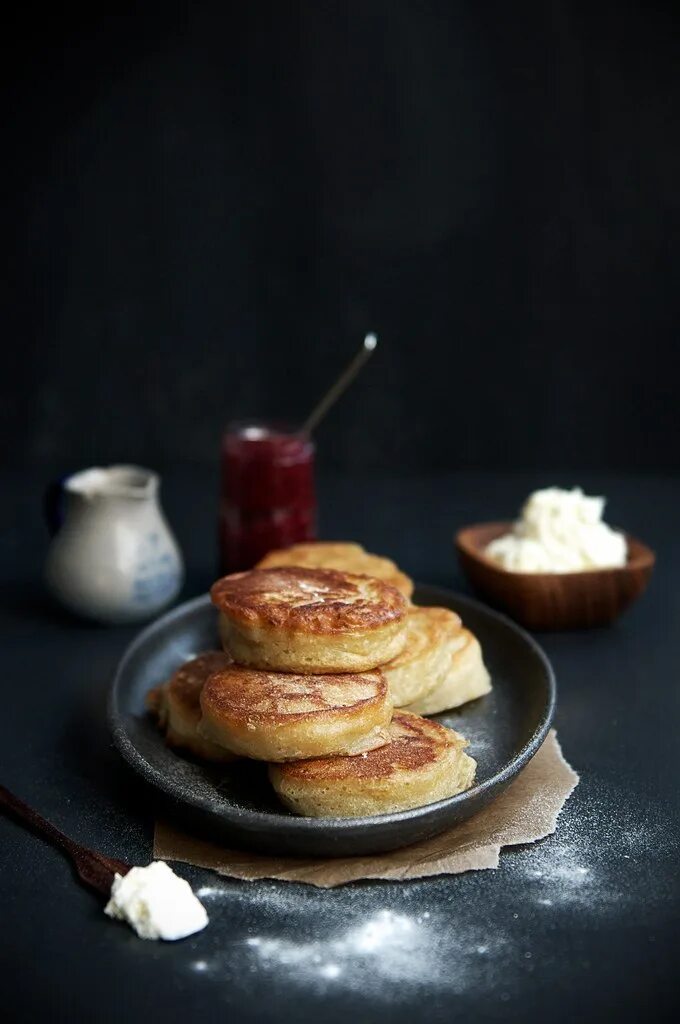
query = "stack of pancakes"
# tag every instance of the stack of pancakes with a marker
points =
(321, 644)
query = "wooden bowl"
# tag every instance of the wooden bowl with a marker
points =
(568, 600)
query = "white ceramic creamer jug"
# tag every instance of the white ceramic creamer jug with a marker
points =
(113, 557)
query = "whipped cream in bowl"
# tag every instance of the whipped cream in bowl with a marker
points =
(560, 566)
(559, 531)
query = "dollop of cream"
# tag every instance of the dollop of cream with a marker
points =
(156, 902)
(560, 531)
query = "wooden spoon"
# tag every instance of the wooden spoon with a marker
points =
(94, 869)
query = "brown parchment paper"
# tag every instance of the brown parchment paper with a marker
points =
(525, 812)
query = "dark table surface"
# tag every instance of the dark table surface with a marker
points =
(583, 925)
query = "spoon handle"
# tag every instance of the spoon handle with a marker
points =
(342, 382)
(93, 868)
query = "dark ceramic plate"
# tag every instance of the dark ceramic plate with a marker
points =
(236, 805)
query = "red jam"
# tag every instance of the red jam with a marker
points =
(268, 499)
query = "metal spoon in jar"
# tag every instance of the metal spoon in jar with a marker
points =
(341, 384)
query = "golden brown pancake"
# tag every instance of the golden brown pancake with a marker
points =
(309, 620)
(422, 763)
(272, 716)
(432, 635)
(177, 706)
(466, 679)
(342, 555)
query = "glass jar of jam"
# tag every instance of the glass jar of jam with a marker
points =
(268, 499)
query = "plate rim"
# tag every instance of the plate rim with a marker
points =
(300, 823)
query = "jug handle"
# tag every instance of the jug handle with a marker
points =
(53, 505)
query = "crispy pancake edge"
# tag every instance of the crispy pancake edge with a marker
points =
(186, 683)
(332, 555)
(240, 597)
(419, 748)
(224, 698)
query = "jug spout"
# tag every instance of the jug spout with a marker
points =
(133, 482)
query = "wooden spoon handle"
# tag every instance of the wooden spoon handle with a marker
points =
(93, 868)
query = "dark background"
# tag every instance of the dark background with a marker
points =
(206, 207)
